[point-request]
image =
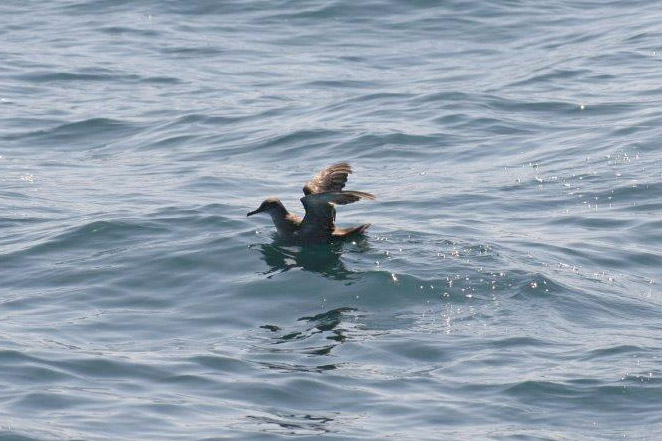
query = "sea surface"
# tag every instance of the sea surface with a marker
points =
(508, 289)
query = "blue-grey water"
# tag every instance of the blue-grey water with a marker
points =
(508, 289)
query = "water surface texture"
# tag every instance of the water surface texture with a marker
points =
(509, 288)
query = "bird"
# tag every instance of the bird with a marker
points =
(321, 194)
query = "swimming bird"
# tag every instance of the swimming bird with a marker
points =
(321, 194)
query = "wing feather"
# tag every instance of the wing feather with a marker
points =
(332, 178)
(341, 197)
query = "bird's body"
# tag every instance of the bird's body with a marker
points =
(321, 194)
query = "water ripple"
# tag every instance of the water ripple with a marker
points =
(508, 288)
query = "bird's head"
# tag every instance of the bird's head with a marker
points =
(270, 205)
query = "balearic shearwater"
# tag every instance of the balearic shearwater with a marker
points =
(321, 194)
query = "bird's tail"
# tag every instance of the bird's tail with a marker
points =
(348, 232)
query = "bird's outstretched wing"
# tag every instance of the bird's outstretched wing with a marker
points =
(327, 185)
(332, 178)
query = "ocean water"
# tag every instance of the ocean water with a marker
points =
(508, 289)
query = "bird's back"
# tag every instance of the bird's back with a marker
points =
(318, 223)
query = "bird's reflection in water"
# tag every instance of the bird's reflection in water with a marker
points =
(324, 259)
(306, 349)
(316, 335)
(294, 424)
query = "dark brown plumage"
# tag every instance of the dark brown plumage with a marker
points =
(332, 178)
(322, 193)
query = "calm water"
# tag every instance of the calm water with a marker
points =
(509, 288)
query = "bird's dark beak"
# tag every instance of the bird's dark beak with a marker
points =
(253, 212)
